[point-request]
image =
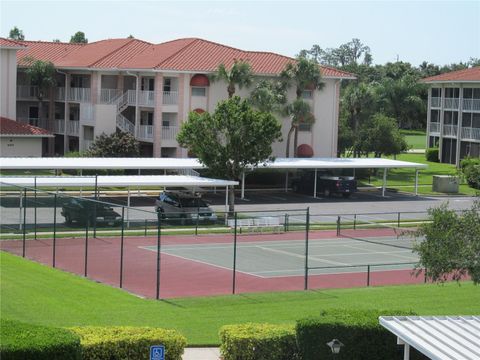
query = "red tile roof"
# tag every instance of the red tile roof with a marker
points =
(466, 75)
(11, 127)
(189, 54)
(7, 43)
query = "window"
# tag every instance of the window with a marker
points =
(467, 120)
(436, 92)
(452, 93)
(167, 84)
(307, 94)
(476, 121)
(435, 116)
(467, 93)
(305, 127)
(476, 93)
(199, 91)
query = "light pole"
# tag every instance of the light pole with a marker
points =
(335, 345)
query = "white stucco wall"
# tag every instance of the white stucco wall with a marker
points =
(8, 84)
(20, 147)
(105, 119)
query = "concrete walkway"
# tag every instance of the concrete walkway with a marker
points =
(201, 354)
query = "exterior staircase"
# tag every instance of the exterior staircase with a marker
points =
(121, 103)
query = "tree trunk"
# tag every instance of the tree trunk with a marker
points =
(295, 142)
(231, 200)
(287, 152)
(231, 90)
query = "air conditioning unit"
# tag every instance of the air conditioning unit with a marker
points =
(445, 184)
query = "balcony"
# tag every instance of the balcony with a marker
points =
(41, 123)
(436, 102)
(469, 133)
(27, 92)
(471, 104)
(108, 96)
(125, 125)
(59, 94)
(451, 103)
(79, 94)
(145, 132)
(435, 128)
(450, 130)
(73, 127)
(170, 97)
(58, 126)
(169, 132)
(87, 144)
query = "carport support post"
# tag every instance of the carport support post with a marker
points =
(128, 207)
(315, 185)
(243, 185)
(384, 184)
(94, 210)
(416, 182)
(20, 201)
(307, 228)
(286, 181)
(54, 228)
(159, 234)
(226, 202)
(24, 220)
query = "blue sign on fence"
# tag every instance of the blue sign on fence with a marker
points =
(157, 352)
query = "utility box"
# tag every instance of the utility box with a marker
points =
(445, 184)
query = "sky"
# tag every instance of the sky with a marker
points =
(440, 32)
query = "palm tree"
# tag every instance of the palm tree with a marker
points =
(269, 96)
(239, 74)
(304, 74)
(41, 74)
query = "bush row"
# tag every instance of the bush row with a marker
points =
(26, 341)
(360, 332)
(470, 168)
(431, 155)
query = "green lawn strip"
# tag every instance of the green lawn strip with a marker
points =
(416, 139)
(38, 294)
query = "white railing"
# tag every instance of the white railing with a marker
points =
(58, 126)
(79, 94)
(469, 133)
(87, 111)
(73, 127)
(87, 144)
(188, 172)
(450, 130)
(124, 124)
(471, 104)
(169, 132)
(121, 101)
(60, 93)
(132, 97)
(108, 96)
(145, 132)
(147, 98)
(434, 128)
(436, 102)
(27, 92)
(170, 97)
(451, 103)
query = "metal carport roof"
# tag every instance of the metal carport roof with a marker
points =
(438, 337)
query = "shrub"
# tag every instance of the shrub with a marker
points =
(128, 342)
(26, 341)
(258, 342)
(470, 168)
(359, 331)
(431, 154)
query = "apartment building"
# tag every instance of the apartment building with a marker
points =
(149, 89)
(453, 120)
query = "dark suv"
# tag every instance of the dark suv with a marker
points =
(326, 184)
(183, 206)
(79, 211)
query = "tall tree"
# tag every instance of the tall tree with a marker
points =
(79, 38)
(269, 96)
(42, 75)
(234, 138)
(240, 74)
(304, 74)
(16, 34)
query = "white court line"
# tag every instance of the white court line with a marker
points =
(202, 262)
(377, 252)
(300, 256)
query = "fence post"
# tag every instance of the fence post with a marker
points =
(159, 234)
(95, 208)
(338, 225)
(285, 223)
(234, 267)
(35, 207)
(196, 223)
(354, 221)
(368, 275)
(145, 227)
(425, 275)
(24, 220)
(307, 228)
(86, 247)
(398, 219)
(121, 247)
(54, 228)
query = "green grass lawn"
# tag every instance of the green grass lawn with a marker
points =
(38, 294)
(416, 139)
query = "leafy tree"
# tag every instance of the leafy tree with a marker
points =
(346, 138)
(346, 54)
(240, 74)
(451, 244)
(304, 74)
(470, 170)
(79, 38)
(16, 34)
(119, 144)
(42, 75)
(381, 136)
(269, 96)
(232, 139)
(56, 40)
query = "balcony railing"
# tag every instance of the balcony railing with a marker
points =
(471, 104)
(132, 97)
(469, 133)
(73, 127)
(58, 126)
(169, 132)
(108, 96)
(147, 98)
(451, 103)
(450, 130)
(434, 128)
(436, 102)
(145, 132)
(79, 94)
(170, 97)
(124, 124)
(27, 92)
(41, 123)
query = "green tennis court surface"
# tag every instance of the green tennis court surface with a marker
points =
(268, 259)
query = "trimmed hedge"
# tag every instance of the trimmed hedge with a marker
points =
(470, 168)
(431, 154)
(258, 342)
(359, 331)
(26, 341)
(123, 342)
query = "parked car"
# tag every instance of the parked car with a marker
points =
(183, 206)
(79, 211)
(326, 184)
